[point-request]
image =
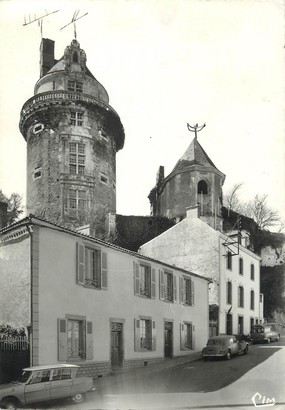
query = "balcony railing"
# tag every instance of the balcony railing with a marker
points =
(57, 96)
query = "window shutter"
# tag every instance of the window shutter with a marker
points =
(89, 341)
(153, 335)
(104, 270)
(182, 336)
(174, 288)
(161, 277)
(153, 283)
(193, 337)
(62, 339)
(192, 292)
(181, 290)
(80, 263)
(137, 335)
(137, 278)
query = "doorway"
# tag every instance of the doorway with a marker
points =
(168, 339)
(229, 324)
(117, 350)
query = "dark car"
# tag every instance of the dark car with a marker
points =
(225, 346)
(43, 383)
(268, 332)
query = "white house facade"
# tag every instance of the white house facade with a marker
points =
(234, 294)
(88, 302)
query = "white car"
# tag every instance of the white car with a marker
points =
(43, 383)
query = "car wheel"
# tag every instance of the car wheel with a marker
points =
(228, 355)
(78, 398)
(245, 350)
(9, 404)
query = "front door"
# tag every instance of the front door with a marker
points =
(168, 339)
(117, 353)
(229, 324)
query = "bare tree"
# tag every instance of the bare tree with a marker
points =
(231, 198)
(259, 210)
(15, 207)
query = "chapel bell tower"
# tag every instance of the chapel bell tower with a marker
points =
(194, 181)
(72, 135)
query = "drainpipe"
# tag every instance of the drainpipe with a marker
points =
(30, 230)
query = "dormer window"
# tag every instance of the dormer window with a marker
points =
(75, 86)
(202, 187)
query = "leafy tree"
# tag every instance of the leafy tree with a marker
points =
(15, 207)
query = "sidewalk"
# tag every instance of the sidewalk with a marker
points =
(127, 373)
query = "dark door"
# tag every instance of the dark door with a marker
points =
(229, 324)
(116, 345)
(168, 339)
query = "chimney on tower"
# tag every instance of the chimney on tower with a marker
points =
(47, 60)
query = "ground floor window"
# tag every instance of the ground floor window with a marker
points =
(186, 336)
(145, 334)
(75, 340)
(240, 325)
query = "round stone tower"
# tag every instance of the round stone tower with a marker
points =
(72, 135)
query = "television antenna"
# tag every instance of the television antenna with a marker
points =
(73, 20)
(38, 19)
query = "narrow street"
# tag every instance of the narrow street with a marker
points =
(196, 384)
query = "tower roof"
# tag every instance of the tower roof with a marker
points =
(194, 155)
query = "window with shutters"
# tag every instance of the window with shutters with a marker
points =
(167, 286)
(75, 339)
(145, 334)
(144, 280)
(91, 266)
(252, 299)
(241, 266)
(186, 336)
(252, 271)
(240, 296)
(187, 291)
(229, 260)
(229, 292)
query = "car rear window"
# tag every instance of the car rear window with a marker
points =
(213, 342)
(258, 329)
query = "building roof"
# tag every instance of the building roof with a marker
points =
(35, 220)
(194, 155)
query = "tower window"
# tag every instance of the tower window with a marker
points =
(104, 179)
(75, 86)
(76, 118)
(202, 187)
(229, 260)
(75, 57)
(76, 158)
(37, 172)
(77, 199)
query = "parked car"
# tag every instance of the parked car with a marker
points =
(43, 383)
(268, 332)
(224, 346)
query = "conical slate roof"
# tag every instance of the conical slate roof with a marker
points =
(194, 155)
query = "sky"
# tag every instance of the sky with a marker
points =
(164, 63)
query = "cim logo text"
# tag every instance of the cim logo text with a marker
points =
(262, 401)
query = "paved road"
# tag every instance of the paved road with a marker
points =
(218, 384)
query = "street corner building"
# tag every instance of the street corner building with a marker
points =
(89, 302)
(235, 301)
